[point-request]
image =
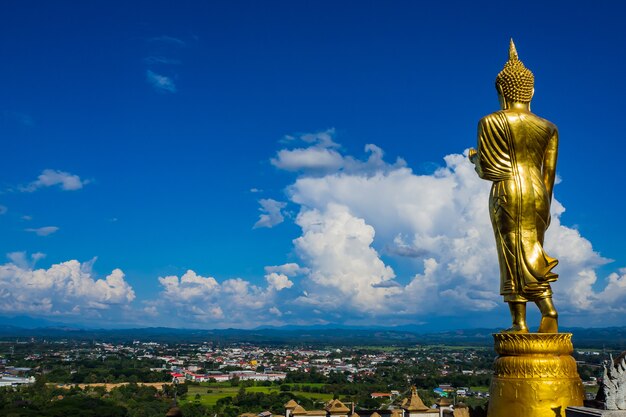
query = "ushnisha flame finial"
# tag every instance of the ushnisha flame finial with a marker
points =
(513, 52)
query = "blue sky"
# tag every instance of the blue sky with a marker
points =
(152, 135)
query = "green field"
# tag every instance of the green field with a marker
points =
(308, 384)
(210, 399)
(314, 395)
(222, 390)
(456, 348)
(379, 348)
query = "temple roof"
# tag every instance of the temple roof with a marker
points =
(414, 402)
(337, 407)
(291, 404)
(298, 410)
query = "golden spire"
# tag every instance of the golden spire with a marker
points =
(515, 82)
(513, 52)
(415, 403)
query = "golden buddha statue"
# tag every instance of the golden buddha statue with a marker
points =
(534, 373)
(517, 150)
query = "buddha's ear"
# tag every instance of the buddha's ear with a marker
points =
(533, 93)
(501, 98)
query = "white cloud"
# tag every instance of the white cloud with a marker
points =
(323, 138)
(278, 281)
(319, 156)
(345, 271)
(193, 295)
(309, 159)
(205, 302)
(160, 82)
(3, 209)
(68, 288)
(322, 157)
(43, 231)
(275, 311)
(21, 259)
(51, 177)
(271, 213)
(151, 310)
(614, 293)
(290, 269)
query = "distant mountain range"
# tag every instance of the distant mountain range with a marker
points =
(335, 335)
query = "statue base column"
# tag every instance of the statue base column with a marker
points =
(534, 376)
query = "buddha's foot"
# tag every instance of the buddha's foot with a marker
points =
(548, 325)
(516, 328)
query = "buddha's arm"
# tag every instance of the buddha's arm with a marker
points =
(474, 155)
(549, 163)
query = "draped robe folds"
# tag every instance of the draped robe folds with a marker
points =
(512, 151)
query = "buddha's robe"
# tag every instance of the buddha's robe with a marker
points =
(517, 150)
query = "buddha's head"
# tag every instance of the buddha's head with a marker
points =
(515, 83)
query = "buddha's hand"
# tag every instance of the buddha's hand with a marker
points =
(472, 155)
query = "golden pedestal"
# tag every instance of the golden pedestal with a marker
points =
(535, 376)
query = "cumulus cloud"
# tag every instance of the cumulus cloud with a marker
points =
(275, 311)
(323, 138)
(151, 310)
(67, 288)
(160, 82)
(271, 213)
(344, 268)
(204, 300)
(51, 178)
(278, 281)
(319, 156)
(290, 269)
(614, 292)
(322, 157)
(43, 231)
(309, 159)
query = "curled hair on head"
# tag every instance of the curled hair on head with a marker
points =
(515, 81)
